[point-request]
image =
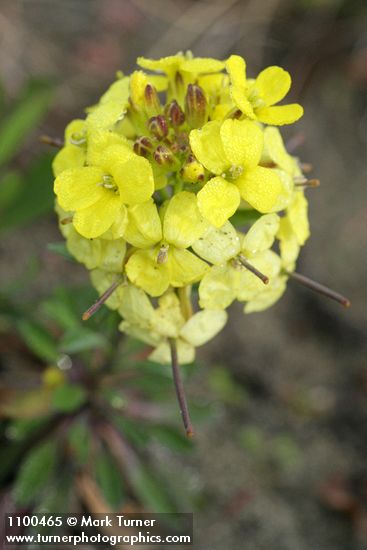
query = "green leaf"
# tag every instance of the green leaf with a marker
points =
(10, 186)
(68, 397)
(35, 472)
(81, 339)
(151, 490)
(60, 310)
(38, 340)
(79, 440)
(109, 479)
(24, 118)
(172, 438)
(34, 198)
(61, 250)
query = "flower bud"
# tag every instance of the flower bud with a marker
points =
(151, 99)
(143, 146)
(192, 171)
(195, 106)
(158, 126)
(174, 114)
(163, 155)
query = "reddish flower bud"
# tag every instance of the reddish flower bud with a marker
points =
(163, 155)
(152, 103)
(174, 114)
(158, 126)
(143, 146)
(195, 106)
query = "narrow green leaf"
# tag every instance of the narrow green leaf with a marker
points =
(152, 491)
(35, 472)
(24, 118)
(35, 197)
(38, 340)
(81, 339)
(61, 250)
(10, 186)
(68, 397)
(109, 479)
(79, 440)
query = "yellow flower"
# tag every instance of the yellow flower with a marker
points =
(294, 230)
(73, 154)
(181, 70)
(256, 99)
(232, 151)
(162, 259)
(97, 193)
(111, 107)
(228, 279)
(156, 325)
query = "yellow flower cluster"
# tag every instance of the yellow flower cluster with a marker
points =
(180, 177)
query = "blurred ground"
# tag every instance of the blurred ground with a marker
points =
(284, 465)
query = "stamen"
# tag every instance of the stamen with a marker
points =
(253, 269)
(321, 289)
(66, 221)
(55, 142)
(163, 254)
(99, 303)
(180, 390)
(308, 183)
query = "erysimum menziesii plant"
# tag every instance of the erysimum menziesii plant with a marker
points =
(178, 178)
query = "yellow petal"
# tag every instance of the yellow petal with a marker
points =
(118, 91)
(275, 151)
(101, 141)
(144, 228)
(79, 187)
(165, 64)
(203, 326)
(117, 229)
(112, 255)
(271, 294)
(207, 147)
(217, 289)
(268, 263)
(261, 234)
(102, 280)
(298, 217)
(141, 333)
(279, 115)
(184, 267)
(218, 245)
(144, 271)
(289, 247)
(134, 178)
(68, 157)
(242, 142)
(168, 318)
(106, 115)
(199, 65)
(272, 84)
(218, 200)
(94, 220)
(86, 251)
(76, 126)
(261, 187)
(236, 68)
(136, 307)
(162, 354)
(183, 224)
